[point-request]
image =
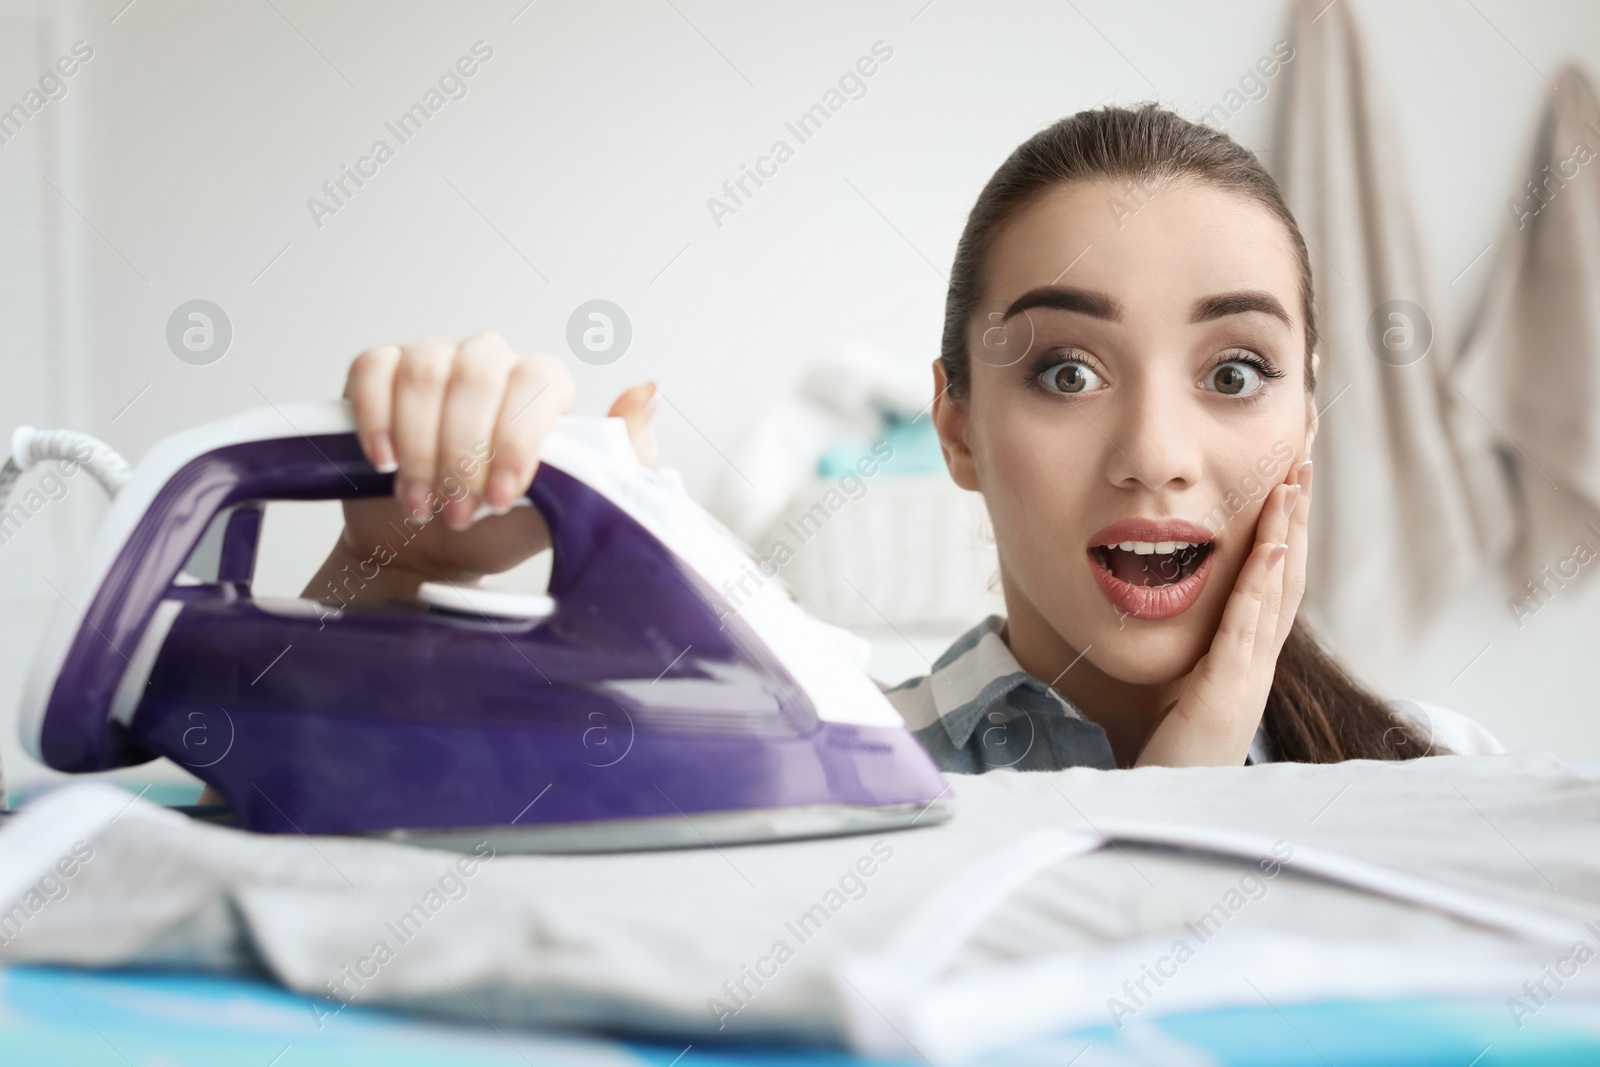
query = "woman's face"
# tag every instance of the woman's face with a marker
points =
(1137, 388)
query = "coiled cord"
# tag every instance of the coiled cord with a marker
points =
(30, 447)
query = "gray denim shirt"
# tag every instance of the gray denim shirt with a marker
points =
(978, 710)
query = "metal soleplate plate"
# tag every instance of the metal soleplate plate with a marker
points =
(703, 829)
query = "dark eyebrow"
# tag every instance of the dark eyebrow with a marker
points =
(1082, 301)
(1224, 304)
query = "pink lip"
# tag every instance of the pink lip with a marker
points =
(1151, 530)
(1160, 602)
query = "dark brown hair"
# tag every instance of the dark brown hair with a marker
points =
(1316, 713)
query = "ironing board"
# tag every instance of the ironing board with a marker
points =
(53, 1016)
(56, 1015)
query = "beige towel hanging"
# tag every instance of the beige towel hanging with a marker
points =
(1526, 390)
(1392, 532)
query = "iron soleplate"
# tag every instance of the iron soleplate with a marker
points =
(711, 829)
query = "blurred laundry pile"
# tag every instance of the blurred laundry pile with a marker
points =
(841, 492)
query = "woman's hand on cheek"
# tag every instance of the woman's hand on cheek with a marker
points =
(1214, 720)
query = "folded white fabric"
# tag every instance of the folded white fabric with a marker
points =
(1221, 885)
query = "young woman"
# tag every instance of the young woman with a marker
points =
(1129, 350)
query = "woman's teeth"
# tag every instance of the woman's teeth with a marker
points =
(1149, 548)
(1152, 563)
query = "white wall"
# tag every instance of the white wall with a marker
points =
(44, 370)
(588, 145)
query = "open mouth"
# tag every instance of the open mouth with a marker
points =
(1152, 564)
(1149, 569)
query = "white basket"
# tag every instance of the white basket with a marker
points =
(906, 550)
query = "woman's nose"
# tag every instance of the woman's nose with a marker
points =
(1150, 443)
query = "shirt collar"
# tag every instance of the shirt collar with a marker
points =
(975, 673)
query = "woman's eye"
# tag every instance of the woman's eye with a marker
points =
(1236, 377)
(1070, 378)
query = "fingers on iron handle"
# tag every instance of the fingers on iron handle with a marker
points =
(370, 389)
(539, 391)
(472, 402)
(419, 386)
(637, 408)
(636, 400)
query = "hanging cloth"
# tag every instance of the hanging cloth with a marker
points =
(1526, 389)
(1392, 532)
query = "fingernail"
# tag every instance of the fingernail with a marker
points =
(383, 454)
(1289, 499)
(1277, 553)
(458, 513)
(414, 498)
(1305, 478)
(502, 489)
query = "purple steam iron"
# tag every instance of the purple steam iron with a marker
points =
(632, 708)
